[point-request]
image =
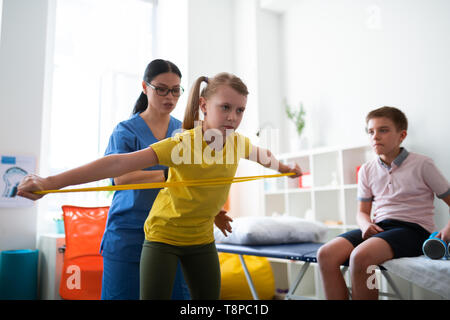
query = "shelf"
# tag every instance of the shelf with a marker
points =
(275, 192)
(274, 203)
(300, 205)
(345, 148)
(351, 205)
(352, 159)
(332, 197)
(327, 188)
(307, 190)
(328, 205)
(292, 155)
(298, 190)
(328, 173)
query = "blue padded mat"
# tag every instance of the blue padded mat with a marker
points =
(306, 251)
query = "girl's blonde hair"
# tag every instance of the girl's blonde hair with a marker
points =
(193, 106)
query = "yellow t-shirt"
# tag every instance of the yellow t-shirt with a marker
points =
(184, 216)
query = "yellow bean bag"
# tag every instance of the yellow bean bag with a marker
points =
(234, 285)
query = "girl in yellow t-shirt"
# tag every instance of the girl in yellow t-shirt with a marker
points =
(180, 224)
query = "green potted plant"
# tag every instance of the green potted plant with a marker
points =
(297, 116)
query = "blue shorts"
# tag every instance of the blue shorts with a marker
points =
(405, 238)
(121, 281)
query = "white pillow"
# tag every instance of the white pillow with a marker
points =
(272, 230)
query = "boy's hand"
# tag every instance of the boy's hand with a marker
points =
(369, 230)
(30, 183)
(222, 221)
(444, 234)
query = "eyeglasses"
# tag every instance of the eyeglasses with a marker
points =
(160, 91)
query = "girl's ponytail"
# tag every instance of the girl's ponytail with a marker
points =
(192, 109)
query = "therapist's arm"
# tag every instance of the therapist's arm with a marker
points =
(110, 166)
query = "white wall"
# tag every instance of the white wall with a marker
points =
(210, 38)
(345, 58)
(172, 42)
(22, 65)
(270, 75)
(224, 36)
(257, 60)
(195, 35)
(245, 197)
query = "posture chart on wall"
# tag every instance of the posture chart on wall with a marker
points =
(12, 171)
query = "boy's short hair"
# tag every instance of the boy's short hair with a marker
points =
(394, 114)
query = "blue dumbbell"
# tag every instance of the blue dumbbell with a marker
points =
(435, 248)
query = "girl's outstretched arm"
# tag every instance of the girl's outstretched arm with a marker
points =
(110, 166)
(265, 158)
(140, 176)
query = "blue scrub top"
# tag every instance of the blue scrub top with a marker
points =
(124, 233)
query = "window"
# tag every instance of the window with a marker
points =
(1, 9)
(100, 53)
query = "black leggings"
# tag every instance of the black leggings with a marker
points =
(200, 264)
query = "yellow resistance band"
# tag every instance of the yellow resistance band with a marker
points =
(157, 185)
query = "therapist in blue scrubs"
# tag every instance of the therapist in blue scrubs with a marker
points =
(124, 235)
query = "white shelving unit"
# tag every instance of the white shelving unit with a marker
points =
(331, 198)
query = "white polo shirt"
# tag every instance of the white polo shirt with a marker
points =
(405, 191)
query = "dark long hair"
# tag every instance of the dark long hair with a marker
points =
(154, 68)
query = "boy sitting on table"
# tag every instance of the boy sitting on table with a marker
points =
(400, 185)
